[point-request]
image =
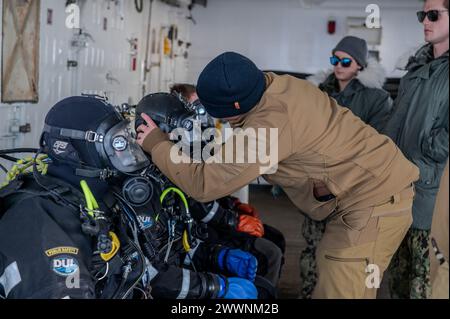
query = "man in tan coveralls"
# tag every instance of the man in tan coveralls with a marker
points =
(439, 252)
(330, 164)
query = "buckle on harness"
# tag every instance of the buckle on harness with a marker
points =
(93, 137)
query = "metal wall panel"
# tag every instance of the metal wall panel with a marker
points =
(103, 65)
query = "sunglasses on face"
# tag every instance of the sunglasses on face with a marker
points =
(432, 15)
(345, 62)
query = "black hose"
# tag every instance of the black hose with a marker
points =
(121, 286)
(3, 168)
(139, 4)
(37, 176)
(141, 256)
(19, 150)
(135, 246)
(149, 250)
(4, 153)
(9, 158)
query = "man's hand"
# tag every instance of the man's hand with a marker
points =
(145, 129)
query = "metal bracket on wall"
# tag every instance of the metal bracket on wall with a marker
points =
(111, 79)
(81, 39)
(71, 64)
(14, 127)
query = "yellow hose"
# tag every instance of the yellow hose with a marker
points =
(185, 239)
(23, 166)
(92, 205)
(91, 202)
(177, 191)
(186, 245)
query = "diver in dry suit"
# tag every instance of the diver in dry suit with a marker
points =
(230, 222)
(182, 240)
(67, 230)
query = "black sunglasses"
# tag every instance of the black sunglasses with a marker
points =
(345, 62)
(432, 15)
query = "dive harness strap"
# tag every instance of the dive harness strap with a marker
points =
(90, 136)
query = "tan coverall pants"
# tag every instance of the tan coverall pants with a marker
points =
(357, 248)
(439, 231)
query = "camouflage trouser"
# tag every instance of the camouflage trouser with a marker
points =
(410, 267)
(312, 231)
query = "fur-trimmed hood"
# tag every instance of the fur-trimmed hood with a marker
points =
(373, 76)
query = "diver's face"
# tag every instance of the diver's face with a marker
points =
(193, 98)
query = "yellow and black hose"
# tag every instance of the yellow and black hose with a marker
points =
(104, 235)
(186, 239)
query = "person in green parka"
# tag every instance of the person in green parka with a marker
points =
(419, 126)
(354, 82)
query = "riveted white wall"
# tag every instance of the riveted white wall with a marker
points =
(107, 54)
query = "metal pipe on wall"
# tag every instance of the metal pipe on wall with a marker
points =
(147, 64)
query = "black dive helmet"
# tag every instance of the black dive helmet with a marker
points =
(166, 110)
(89, 134)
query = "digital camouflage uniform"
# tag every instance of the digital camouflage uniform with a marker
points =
(312, 231)
(410, 267)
